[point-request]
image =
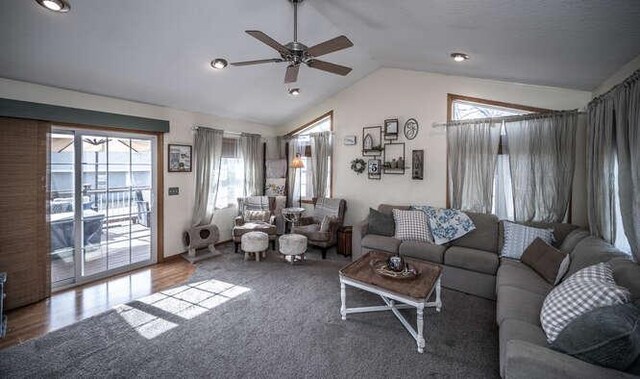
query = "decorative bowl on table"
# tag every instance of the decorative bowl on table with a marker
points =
(381, 267)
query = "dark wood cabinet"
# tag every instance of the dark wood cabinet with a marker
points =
(344, 240)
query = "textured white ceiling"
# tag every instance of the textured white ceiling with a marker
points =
(158, 51)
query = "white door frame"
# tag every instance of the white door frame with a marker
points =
(78, 133)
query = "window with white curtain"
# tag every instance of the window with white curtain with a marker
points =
(502, 192)
(231, 184)
(621, 241)
(306, 187)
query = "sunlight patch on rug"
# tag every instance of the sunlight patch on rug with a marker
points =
(187, 301)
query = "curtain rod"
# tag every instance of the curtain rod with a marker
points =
(206, 127)
(505, 118)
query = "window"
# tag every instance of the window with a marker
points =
(621, 241)
(465, 108)
(231, 182)
(322, 124)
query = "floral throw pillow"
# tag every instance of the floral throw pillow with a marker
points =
(275, 187)
(446, 224)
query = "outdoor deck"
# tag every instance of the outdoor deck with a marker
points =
(112, 252)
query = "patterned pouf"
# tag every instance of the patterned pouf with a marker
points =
(255, 243)
(293, 246)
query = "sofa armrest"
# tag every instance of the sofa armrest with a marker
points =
(360, 230)
(238, 221)
(525, 360)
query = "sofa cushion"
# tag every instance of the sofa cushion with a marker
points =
(573, 239)
(411, 225)
(518, 237)
(423, 250)
(512, 329)
(626, 273)
(376, 242)
(606, 336)
(381, 223)
(590, 251)
(518, 304)
(516, 274)
(312, 232)
(472, 259)
(550, 263)
(589, 288)
(258, 226)
(485, 235)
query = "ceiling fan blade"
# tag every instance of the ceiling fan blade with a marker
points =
(260, 36)
(291, 76)
(329, 67)
(330, 46)
(259, 61)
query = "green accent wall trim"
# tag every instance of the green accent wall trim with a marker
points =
(55, 113)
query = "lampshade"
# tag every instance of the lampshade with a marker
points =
(297, 162)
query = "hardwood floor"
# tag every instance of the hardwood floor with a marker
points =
(69, 306)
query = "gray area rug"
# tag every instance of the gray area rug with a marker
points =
(263, 319)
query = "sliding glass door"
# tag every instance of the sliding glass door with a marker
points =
(102, 208)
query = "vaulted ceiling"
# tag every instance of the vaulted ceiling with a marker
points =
(158, 51)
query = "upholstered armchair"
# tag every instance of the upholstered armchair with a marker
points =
(255, 214)
(322, 231)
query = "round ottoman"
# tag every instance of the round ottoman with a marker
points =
(254, 243)
(293, 246)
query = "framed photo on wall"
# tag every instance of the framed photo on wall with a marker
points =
(417, 164)
(179, 158)
(374, 169)
(391, 129)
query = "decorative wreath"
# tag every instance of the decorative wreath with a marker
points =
(358, 165)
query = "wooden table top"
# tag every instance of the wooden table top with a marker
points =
(418, 288)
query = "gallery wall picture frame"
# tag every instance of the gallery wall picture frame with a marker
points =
(179, 158)
(417, 164)
(411, 129)
(372, 141)
(349, 140)
(394, 160)
(391, 127)
(374, 169)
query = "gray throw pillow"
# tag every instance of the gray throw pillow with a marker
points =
(381, 223)
(605, 336)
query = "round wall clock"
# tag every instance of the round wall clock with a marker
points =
(411, 128)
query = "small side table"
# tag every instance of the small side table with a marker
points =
(292, 215)
(344, 240)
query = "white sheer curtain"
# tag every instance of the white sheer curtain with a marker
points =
(251, 152)
(541, 150)
(207, 153)
(472, 151)
(293, 190)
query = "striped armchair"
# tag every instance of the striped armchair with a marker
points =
(323, 236)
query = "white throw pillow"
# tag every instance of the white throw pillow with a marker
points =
(326, 223)
(411, 225)
(518, 237)
(590, 288)
(562, 270)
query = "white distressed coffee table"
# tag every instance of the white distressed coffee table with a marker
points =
(396, 293)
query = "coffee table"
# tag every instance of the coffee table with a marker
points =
(411, 293)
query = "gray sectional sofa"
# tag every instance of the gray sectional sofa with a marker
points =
(472, 265)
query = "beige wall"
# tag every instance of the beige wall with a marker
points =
(177, 209)
(393, 93)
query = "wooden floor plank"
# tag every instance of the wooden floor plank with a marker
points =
(69, 306)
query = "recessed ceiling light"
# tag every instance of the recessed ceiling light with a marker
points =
(219, 63)
(459, 57)
(294, 91)
(55, 5)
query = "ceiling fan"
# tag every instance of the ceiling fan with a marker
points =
(296, 53)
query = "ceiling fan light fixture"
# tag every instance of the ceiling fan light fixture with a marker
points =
(219, 63)
(61, 6)
(294, 91)
(459, 57)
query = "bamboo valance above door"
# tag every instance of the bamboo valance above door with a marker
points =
(24, 233)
